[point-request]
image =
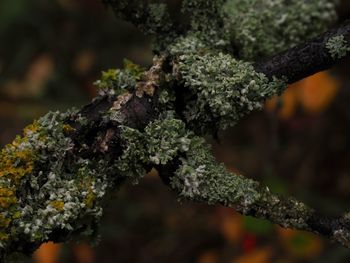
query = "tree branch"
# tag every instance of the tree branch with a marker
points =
(214, 185)
(54, 180)
(306, 59)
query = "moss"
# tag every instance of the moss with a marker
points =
(263, 28)
(338, 47)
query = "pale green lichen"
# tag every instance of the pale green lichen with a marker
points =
(159, 143)
(263, 28)
(41, 192)
(338, 47)
(204, 15)
(116, 81)
(226, 89)
(201, 178)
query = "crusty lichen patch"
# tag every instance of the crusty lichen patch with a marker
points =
(338, 47)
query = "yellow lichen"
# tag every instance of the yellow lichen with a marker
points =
(31, 128)
(67, 128)
(16, 162)
(4, 222)
(58, 205)
(16, 215)
(17, 158)
(90, 198)
(7, 198)
(4, 236)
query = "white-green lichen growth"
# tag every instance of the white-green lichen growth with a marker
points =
(338, 47)
(159, 143)
(263, 28)
(226, 89)
(117, 81)
(55, 190)
(200, 178)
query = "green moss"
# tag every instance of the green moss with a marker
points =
(338, 47)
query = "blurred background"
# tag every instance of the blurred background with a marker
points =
(51, 52)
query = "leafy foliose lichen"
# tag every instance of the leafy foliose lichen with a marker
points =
(338, 47)
(159, 143)
(204, 15)
(263, 28)
(200, 178)
(226, 89)
(116, 81)
(41, 192)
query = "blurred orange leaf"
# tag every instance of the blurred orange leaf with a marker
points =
(262, 255)
(299, 244)
(209, 256)
(47, 253)
(314, 94)
(232, 227)
(317, 92)
(84, 253)
(288, 102)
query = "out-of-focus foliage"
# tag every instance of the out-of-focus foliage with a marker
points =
(51, 52)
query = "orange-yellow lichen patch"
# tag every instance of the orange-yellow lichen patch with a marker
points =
(3, 236)
(17, 158)
(67, 128)
(31, 128)
(87, 185)
(90, 198)
(58, 205)
(7, 198)
(4, 222)
(16, 162)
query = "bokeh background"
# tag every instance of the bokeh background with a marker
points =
(51, 52)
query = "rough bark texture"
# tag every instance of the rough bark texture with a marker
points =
(306, 59)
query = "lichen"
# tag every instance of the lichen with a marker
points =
(204, 15)
(226, 89)
(200, 178)
(263, 28)
(40, 192)
(116, 81)
(338, 47)
(159, 143)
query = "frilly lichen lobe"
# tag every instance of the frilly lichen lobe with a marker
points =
(226, 89)
(264, 28)
(338, 46)
(41, 192)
